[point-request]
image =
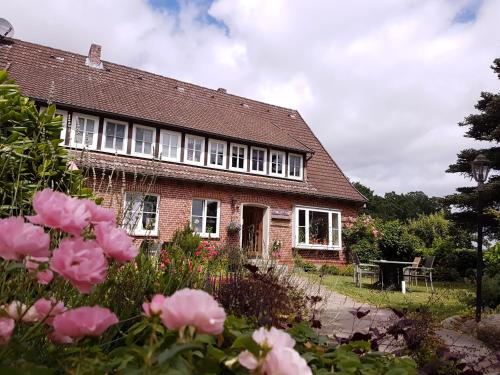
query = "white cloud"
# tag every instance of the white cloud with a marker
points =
(383, 84)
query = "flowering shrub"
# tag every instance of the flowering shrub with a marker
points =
(361, 235)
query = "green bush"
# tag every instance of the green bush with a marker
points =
(396, 243)
(31, 156)
(186, 240)
(366, 250)
(491, 291)
(492, 260)
(327, 269)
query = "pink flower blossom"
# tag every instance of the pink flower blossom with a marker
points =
(375, 233)
(57, 338)
(19, 239)
(285, 361)
(196, 308)
(273, 338)
(44, 277)
(57, 210)
(100, 214)
(48, 309)
(248, 360)
(19, 311)
(155, 307)
(115, 242)
(83, 321)
(80, 262)
(6, 328)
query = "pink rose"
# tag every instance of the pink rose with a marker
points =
(6, 328)
(80, 262)
(59, 339)
(99, 214)
(83, 321)
(273, 338)
(19, 239)
(44, 277)
(155, 307)
(48, 309)
(248, 360)
(196, 308)
(115, 242)
(57, 210)
(284, 360)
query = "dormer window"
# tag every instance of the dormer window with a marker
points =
(84, 131)
(295, 166)
(144, 140)
(115, 139)
(277, 163)
(216, 153)
(258, 162)
(170, 145)
(238, 157)
(194, 150)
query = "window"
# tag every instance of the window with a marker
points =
(238, 157)
(141, 214)
(115, 136)
(216, 153)
(84, 131)
(295, 166)
(258, 162)
(317, 228)
(205, 217)
(277, 163)
(143, 141)
(194, 150)
(170, 145)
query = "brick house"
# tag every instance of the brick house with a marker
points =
(171, 152)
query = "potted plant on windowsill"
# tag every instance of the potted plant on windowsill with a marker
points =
(233, 228)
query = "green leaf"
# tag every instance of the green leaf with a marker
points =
(176, 349)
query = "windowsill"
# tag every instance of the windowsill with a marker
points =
(112, 151)
(144, 234)
(211, 236)
(317, 247)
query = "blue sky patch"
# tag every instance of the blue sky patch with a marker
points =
(469, 12)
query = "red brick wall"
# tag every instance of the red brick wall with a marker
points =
(175, 210)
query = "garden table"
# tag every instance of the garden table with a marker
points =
(391, 273)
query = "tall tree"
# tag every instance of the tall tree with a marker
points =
(483, 126)
(393, 206)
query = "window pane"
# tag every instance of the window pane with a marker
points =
(241, 162)
(197, 145)
(173, 151)
(197, 156)
(212, 208)
(302, 235)
(138, 146)
(148, 221)
(335, 220)
(109, 142)
(190, 143)
(302, 217)
(147, 148)
(118, 144)
(197, 207)
(149, 204)
(89, 139)
(190, 155)
(139, 134)
(148, 136)
(335, 238)
(318, 228)
(90, 126)
(211, 225)
(234, 162)
(110, 129)
(196, 223)
(120, 131)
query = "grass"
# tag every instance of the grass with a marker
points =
(446, 300)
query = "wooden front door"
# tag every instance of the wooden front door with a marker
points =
(253, 231)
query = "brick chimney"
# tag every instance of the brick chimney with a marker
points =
(222, 90)
(93, 60)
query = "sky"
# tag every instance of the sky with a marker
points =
(383, 84)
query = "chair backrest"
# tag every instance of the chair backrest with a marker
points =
(355, 258)
(429, 262)
(416, 262)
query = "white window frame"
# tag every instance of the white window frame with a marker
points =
(103, 138)
(306, 245)
(141, 231)
(284, 166)
(164, 132)
(256, 171)
(224, 155)
(153, 144)
(245, 160)
(64, 114)
(74, 122)
(301, 167)
(204, 233)
(202, 157)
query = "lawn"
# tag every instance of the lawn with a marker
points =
(447, 299)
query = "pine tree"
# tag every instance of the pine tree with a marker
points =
(483, 126)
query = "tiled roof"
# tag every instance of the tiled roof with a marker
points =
(62, 77)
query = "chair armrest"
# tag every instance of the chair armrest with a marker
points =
(368, 265)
